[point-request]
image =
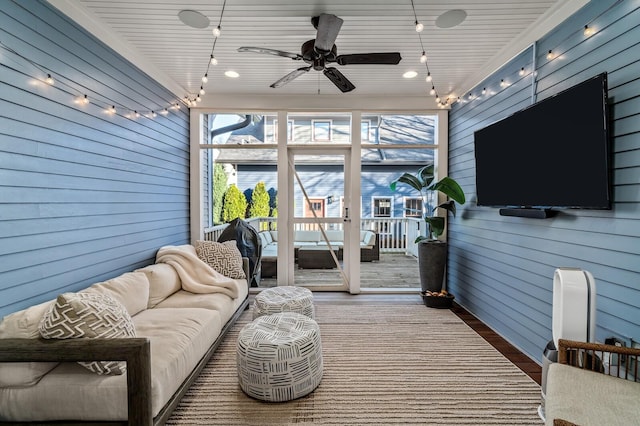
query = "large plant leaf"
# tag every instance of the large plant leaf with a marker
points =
(410, 180)
(436, 223)
(426, 175)
(449, 206)
(450, 188)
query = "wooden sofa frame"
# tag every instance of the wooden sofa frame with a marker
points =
(135, 351)
(588, 356)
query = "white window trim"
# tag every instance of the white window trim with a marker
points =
(404, 205)
(313, 130)
(368, 138)
(275, 130)
(373, 207)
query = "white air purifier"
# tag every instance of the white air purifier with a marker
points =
(574, 305)
(573, 316)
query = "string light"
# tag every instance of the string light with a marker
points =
(213, 60)
(424, 58)
(216, 31)
(49, 80)
(521, 72)
(588, 31)
(202, 92)
(550, 55)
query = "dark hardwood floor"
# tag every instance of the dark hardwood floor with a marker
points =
(522, 361)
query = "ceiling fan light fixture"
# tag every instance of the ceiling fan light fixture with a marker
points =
(409, 74)
(231, 74)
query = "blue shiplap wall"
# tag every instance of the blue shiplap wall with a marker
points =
(501, 268)
(84, 195)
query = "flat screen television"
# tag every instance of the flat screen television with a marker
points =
(552, 154)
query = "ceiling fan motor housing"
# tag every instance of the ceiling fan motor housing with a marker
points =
(310, 54)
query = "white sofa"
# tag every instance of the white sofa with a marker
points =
(176, 331)
(369, 246)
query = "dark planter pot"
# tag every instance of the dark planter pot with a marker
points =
(439, 302)
(432, 260)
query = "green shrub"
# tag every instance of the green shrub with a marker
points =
(235, 204)
(259, 201)
(219, 189)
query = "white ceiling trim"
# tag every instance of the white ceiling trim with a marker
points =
(84, 17)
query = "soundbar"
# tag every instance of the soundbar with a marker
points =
(531, 213)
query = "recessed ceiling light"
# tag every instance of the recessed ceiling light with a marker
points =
(410, 74)
(193, 19)
(231, 74)
(451, 18)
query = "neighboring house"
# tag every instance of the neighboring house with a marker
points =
(322, 176)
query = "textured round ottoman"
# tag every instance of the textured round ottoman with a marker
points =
(284, 299)
(279, 357)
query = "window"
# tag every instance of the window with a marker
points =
(382, 206)
(365, 130)
(412, 207)
(317, 204)
(274, 133)
(321, 130)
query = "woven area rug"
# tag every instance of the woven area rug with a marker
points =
(383, 364)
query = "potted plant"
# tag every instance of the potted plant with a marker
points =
(432, 253)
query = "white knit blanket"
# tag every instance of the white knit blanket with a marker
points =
(196, 275)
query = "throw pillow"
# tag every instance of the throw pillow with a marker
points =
(89, 315)
(224, 257)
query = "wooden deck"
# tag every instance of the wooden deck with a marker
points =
(392, 271)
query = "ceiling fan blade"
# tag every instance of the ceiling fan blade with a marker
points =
(328, 29)
(369, 58)
(275, 52)
(290, 77)
(338, 79)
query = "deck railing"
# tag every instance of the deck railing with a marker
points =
(397, 235)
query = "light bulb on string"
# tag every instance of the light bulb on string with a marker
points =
(202, 90)
(198, 98)
(550, 55)
(437, 98)
(164, 111)
(588, 31)
(111, 109)
(136, 114)
(213, 60)
(419, 27)
(216, 31)
(429, 78)
(432, 91)
(502, 83)
(423, 58)
(521, 72)
(49, 80)
(205, 78)
(484, 90)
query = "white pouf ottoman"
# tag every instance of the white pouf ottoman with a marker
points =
(279, 357)
(284, 299)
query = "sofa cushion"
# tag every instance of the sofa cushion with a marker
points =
(368, 238)
(89, 315)
(307, 236)
(131, 289)
(274, 236)
(179, 339)
(588, 398)
(163, 282)
(266, 238)
(23, 325)
(333, 236)
(223, 257)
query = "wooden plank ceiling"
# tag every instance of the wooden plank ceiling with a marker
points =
(150, 33)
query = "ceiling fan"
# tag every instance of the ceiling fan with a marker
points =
(322, 50)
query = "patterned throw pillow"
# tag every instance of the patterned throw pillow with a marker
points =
(223, 257)
(90, 316)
